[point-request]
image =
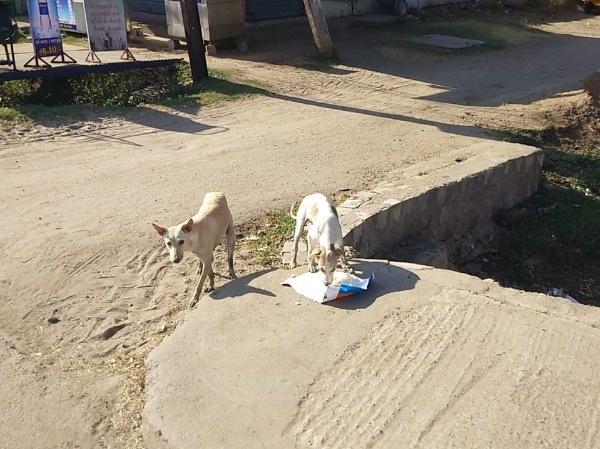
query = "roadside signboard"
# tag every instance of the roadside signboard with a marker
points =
(105, 20)
(66, 15)
(45, 30)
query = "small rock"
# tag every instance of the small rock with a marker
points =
(110, 331)
(54, 320)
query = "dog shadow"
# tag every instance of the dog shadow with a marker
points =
(387, 279)
(240, 287)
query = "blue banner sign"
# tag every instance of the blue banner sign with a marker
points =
(45, 30)
(66, 15)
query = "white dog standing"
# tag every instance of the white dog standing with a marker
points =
(200, 235)
(324, 238)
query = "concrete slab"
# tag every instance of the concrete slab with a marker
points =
(24, 51)
(445, 41)
(428, 358)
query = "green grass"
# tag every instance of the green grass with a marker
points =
(579, 172)
(22, 37)
(496, 35)
(568, 232)
(11, 115)
(67, 38)
(525, 136)
(74, 39)
(222, 85)
(276, 227)
(557, 248)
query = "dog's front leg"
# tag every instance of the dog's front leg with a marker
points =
(313, 250)
(347, 268)
(198, 290)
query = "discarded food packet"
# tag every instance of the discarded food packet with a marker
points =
(312, 285)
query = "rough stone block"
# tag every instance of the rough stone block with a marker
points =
(351, 204)
(286, 252)
(591, 84)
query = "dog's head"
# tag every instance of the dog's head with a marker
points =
(328, 260)
(177, 239)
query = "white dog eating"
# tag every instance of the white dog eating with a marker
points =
(324, 238)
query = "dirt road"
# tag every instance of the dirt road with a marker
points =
(86, 287)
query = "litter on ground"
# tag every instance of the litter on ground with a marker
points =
(559, 293)
(312, 286)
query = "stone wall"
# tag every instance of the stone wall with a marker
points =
(440, 199)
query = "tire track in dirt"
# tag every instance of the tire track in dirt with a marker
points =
(351, 406)
(412, 382)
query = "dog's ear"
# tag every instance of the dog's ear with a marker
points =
(188, 226)
(316, 252)
(161, 231)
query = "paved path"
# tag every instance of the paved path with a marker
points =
(425, 359)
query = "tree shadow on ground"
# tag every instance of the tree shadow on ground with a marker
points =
(521, 64)
(97, 118)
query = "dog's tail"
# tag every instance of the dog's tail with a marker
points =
(292, 210)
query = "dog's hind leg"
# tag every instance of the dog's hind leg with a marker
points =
(230, 235)
(300, 220)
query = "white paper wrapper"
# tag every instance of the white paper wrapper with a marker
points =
(312, 286)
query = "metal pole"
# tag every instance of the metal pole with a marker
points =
(194, 39)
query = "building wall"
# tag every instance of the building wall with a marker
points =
(341, 8)
(19, 7)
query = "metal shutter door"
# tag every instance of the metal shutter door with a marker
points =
(273, 9)
(152, 6)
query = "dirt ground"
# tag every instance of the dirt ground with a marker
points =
(87, 289)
